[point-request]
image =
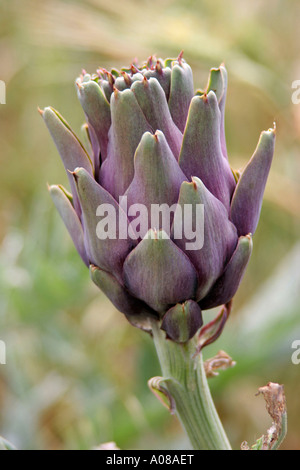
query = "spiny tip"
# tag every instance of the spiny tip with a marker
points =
(134, 69)
(158, 67)
(194, 183)
(149, 62)
(126, 77)
(156, 136)
(111, 79)
(145, 81)
(179, 58)
(116, 91)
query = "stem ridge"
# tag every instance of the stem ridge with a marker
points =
(190, 391)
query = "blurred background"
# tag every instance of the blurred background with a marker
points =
(76, 373)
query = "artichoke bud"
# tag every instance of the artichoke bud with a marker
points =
(154, 141)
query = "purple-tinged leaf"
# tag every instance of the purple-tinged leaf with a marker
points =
(157, 178)
(218, 236)
(159, 273)
(218, 84)
(227, 285)
(105, 225)
(162, 75)
(97, 110)
(128, 126)
(248, 195)
(201, 154)
(136, 311)
(92, 145)
(153, 103)
(181, 92)
(182, 321)
(69, 147)
(63, 204)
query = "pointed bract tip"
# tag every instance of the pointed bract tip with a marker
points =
(149, 62)
(41, 111)
(72, 172)
(179, 58)
(158, 67)
(134, 69)
(182, 321)
(79, 171)
(194, 182)
(116, 91)
(152, 234)
(99, 71)
(53, 188)
(271, 130)
(126, 77)
(111, 79)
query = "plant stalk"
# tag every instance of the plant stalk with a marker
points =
(185, 379)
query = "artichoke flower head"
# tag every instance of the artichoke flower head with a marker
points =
(151, 141)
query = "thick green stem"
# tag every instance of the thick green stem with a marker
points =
(186, 381)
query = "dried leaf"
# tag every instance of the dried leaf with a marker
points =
(276, 406)
(161, 392)
(211, 332)
(221, 361)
